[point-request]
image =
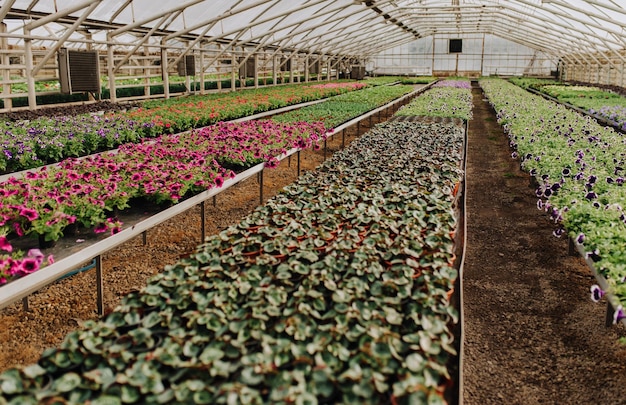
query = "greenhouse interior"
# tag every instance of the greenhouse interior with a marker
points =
(312, 202)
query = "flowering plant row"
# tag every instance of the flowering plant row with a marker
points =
(87, 191)
(381, 80)
(344, 107)
(598, 102)
(580, 166)
(447, 98)
(418, 80)
(335, 291)
(47, 140)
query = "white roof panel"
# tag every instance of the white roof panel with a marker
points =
(558, 27)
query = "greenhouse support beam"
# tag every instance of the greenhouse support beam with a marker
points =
(164, 67)
(330, 32)
(30, 78)
(578, 20)
(4, 9)
(587, 12)
(193, 43)
(239, 32)
(138, 45)
(50, 18)
(216, 19)
(110, 69)
(145, 21)
(119, 11)
(6, 73)
(64, 37)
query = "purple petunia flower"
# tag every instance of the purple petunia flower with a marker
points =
(596, 293)
(580, 238)
(593, 255)
(591, 195)
(558, 232)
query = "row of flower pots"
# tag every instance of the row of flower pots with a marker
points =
(89, 192)
(336, 290)
(607, 105)
(579, 166)
(28, 144)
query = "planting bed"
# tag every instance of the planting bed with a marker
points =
(358, 312)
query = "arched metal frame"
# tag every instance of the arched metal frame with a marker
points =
(582, 34)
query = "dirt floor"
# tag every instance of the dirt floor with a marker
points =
(532, 333)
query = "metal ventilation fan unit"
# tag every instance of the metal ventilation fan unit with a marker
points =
(79, 71)
(187, 66)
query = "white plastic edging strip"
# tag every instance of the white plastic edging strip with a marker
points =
(604, 285)
(461, 268)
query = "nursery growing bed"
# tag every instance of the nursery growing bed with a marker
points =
(74, 255)
(440, 280)
(601, 120)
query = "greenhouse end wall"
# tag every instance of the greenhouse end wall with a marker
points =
(480, 55)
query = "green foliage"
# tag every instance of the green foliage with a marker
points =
(346, 298)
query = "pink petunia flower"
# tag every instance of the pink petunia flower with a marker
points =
(5, 245)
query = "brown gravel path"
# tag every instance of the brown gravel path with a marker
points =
(532, 334)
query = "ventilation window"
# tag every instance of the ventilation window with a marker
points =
(78, 71)
(456, 46)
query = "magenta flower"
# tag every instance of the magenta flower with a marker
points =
(29, 265)
(29, 213)
(219, 181)
(101, 228)
(5, 245)
(36, 255)
(17, 227)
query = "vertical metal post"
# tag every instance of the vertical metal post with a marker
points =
(571, 248)
(298, 163)
(289, 160)
(202, 222)
(343, 138)
(610, 313)
(214, 200)
(25, 306)
(5, 59)
(144, 235)
(261, 187)
(28, 62)
(99, 286)
(324, 148)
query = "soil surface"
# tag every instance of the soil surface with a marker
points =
(532, 333)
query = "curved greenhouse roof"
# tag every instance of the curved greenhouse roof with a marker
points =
(339, 27)
(239, 43)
